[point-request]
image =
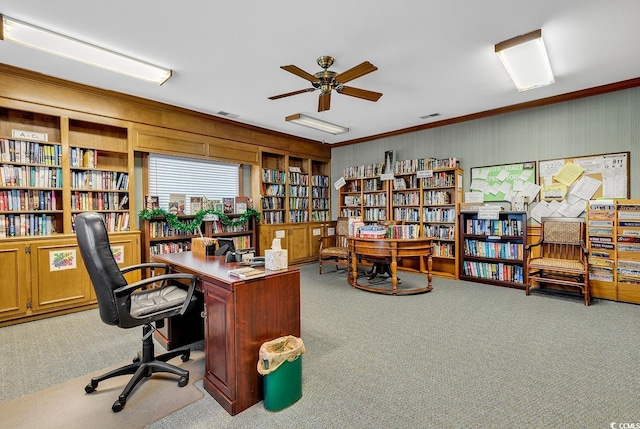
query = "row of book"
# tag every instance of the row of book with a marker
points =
(26, 225)
(85, 158)
(273, 176)
(320, 192)
(319, 180)
(273, 190)
(372, 185)
(352, 200)
(298, 216)
(405, 198)
(406, 214)
(500, 271)
(437, 197)
(443, 250)
(298, 203)
(98, 201)
(272, 217)
(242, 242)
(375, 214)
(104, 180)
(442, 232)
(373, 200)
(30, 152)
(350, 212)
(411, 182)
(490, 249)
(439, 214)
(32, 176)
(272, 203)
(115, 222)
(217, 227)
(370, 231)
(298, 179)
(298, 191)
(320, 203)
(173, 247)
(360, 171)
(320, 216)
(28, 200)
(162, 228)
(439, 180)
(409, 166)
(511, 227)
(404, 231)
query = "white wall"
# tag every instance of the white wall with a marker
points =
(594, 125)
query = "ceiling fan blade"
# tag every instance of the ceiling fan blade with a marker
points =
(275, 97)
(324, 102)
(355, 72)
(360, 93)
(299, 72)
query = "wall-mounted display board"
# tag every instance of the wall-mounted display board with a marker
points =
(567, 184)
(506, 182)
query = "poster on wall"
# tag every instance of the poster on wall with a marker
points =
(62, 260)
(118, 254)
(506, 182)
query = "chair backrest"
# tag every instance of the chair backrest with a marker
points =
(562, 237)
(342, 231)
(105, 275)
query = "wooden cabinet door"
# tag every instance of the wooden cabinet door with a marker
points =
(220, 365)
(59, 277)
(298, 243)
(14, 281)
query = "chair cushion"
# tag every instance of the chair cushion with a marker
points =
(150, 301)
(556, 264)
(338, 252)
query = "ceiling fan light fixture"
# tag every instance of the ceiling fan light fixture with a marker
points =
(29, 35)
(315, 123)
(525, 59)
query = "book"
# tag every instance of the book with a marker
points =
(151, 202)
(177, 203)
(246, 273)
(241, 204)
(196, 204)
(228, 205)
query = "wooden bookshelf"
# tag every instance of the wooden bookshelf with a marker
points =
(628, 250)
(492, 251)
(601, 242)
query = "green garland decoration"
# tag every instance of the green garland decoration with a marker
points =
(192, 224)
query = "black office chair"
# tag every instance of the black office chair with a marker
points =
(126, 305)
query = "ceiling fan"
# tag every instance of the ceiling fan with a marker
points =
(327, 80)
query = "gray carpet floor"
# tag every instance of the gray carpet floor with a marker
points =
(464, 355)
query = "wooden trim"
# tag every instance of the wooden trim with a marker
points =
(561, 98)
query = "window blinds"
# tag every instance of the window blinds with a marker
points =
(170, 174)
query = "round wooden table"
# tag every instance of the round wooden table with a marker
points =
(391, 249)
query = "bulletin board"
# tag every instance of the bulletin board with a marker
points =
(567, 184)
(607, 175)
(505, 182)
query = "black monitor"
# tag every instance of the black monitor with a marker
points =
(225, 245)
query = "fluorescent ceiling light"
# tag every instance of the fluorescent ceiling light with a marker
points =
(526, 61)
(38, 38)
(317, 124)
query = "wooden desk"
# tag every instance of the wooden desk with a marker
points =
(393, 249)
(240, 315)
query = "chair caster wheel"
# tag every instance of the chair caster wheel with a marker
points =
(118, 405)
(183, 381)
(185, 356)
(91, 386)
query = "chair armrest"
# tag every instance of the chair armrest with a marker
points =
(529, 246)
(130, 288)
(145, 265)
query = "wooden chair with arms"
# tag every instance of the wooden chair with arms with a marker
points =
(334, 249)
(562, 258)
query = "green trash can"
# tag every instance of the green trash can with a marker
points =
(280, 363)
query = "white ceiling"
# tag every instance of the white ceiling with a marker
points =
(432, 56)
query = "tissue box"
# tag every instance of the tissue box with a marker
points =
(201, 246)
(275, 259)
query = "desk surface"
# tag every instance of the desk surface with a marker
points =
(208, 266)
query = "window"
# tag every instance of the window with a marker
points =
(193, 177)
